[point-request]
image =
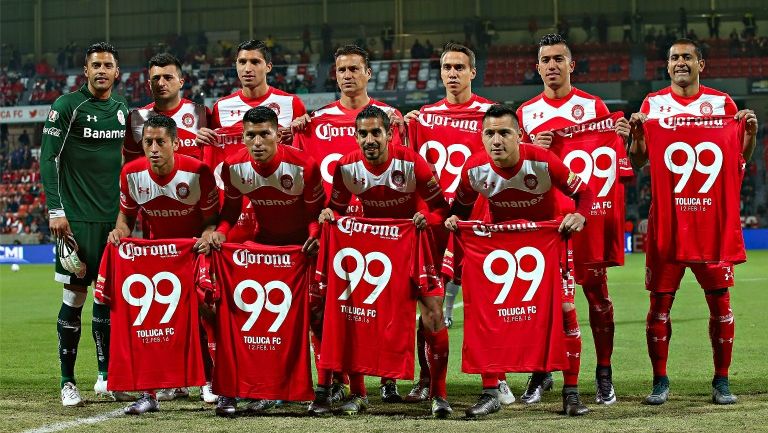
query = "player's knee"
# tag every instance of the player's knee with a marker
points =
(661, 305)
(568, 307)
(73, 298)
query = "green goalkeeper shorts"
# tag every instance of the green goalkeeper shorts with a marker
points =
(91, 240)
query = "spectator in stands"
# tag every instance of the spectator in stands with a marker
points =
(626, 26)
(602, 29)
(750, 26)
(533, 27)
(24, 138)
(637, 26)
(429, 50)
(326, 34)
(713, 24)
(563, 27)
(306, 39)
(417, 50)
(586, 25)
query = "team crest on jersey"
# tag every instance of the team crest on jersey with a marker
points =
(398, 178)
(577, 112)
(53, 115)
(274, 106)
(121, 118)
(706, 109)
(188, 120)
(531, 182)
(182, 190)
(286, 181)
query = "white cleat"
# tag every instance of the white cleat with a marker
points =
(207, 395)
(70, 396)
(100, 388)
(505, 394)
(168, 394)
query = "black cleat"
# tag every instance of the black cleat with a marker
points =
(441, 408)
(548, 382)
(572, 405)
(321, 405)
(605, 393)
(721, 391)
(534, 389)
(486, 404)
(660, 392)
(389, 393)
(339, 391)
(226, 406)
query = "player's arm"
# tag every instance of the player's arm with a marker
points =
(750, 132)
(230, 212)
(570, 184)
(314, 199)
(397, 125)
(126, 216)
(209, 206)
(430, 192)
(339, 199)
(131, 149)
(638, 150)
(206, 136)
(463, 202)
(55, 130)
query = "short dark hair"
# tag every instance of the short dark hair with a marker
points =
(452, 47)
(102, 47)
(255, 44)
(161, 121)
(164, 59)
(686, 41)
(554, 39)
(261, 114)
(352, 49)
(500, 110)
(373, 112)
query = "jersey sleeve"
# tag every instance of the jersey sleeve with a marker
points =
(215, 120)
(128, 205)
(298, 107)
(131, 149)
(730, 106)
(466, 196)
(600, 108)
(233, 202)
(429, 190)
(645, 108)
(314, 195)
(340, 195)
(204, 286)
(54, 132)
(102, 290)
(519, 113)
(412, 132)
(209, 193)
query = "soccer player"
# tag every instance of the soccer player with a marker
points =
(518, 180)
(177, 195)
(664, 268)
(558, 106)
(447, 133)
(285, 187)
(380, 174)
(80, 168)
(253, 63)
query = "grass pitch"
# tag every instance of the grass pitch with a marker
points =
(29, 372)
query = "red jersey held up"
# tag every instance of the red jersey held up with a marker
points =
(372, 271)
(512, 294)
(708, 102)
(545, 114)
(696, 172)
(149, 286)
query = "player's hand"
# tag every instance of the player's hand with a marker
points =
(544, 139)
(301, 122)
(750, 128)
(452, 223)
(59, 227)
(202, 246)
(412, 115)
(636, 125)
(420, 221)
(206, 137)
(311, 246)
(212, 240)
(573, 222)
(115, 236)
(326, 215)
(622, 127)
(284, 135)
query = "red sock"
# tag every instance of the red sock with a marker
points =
(357, 384)
(601, 322)
(572, 347)
(722, 328)
(502, 376)
(437, 356)
(421, 350)
(323, 375)
(152, 393)
(658, 331)
(490, 380)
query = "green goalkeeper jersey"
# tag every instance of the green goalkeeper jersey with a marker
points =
(80, 157)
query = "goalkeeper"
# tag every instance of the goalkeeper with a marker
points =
(80, 167)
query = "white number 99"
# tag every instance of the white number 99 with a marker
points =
(150, 293)
(361, 272)
(262, 301)
(693, 162)
(513, 271)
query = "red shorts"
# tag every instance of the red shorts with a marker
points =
(664, 277)
(591, 276)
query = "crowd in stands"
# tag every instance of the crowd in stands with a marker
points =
(22, 199)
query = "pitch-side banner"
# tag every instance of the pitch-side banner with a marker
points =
(24, 114)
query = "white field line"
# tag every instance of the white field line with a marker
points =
(59, 426)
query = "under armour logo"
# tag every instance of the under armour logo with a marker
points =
(233, 113)
(728, 273)
(92, 118)
(539, 115)
(245, 181)
(657, 339)
(573, 354)
(487, 185)
(143, 190)
(663, 108)
(725, 340)
(356, 181)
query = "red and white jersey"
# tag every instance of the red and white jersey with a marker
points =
(149, 286)
(331, 135)
(286, 195)
(372, 271)
(526, 190)
(696, 171)
(512, 289)
(708, 102)
(596, 153)
(175, 205)
(262, 322)
(189, 118)
(545, 114)
(388, 190)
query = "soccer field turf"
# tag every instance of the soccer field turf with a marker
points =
(29, 372)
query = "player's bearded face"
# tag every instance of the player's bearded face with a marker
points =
(501, 140)
(555, 65)
(252, 68)
(261, 140)
(165, 82)
(351, 74)
(373, 138)
(101, 70)
(159, 147)
(456, 72)
(683, 65)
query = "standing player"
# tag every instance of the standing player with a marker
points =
(664, 269)
(80, 168)
(558, 106)
(177, 195)
(253, 63)
(517, 180)
(390, 180)
(446, 133)
(283, 184)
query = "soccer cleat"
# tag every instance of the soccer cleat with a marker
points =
(660, 392)
(259, 406)
(534, 389)
(572, 405)
(548, 382)
(419, 393)
(354, 405)
(100, 388)
(505, 394)
(441, 408)
(169, 394)
(721, 391)
(207, 395)
(389, 393)
(70, 396)
(321, 405)
(145, 403)
(339, 391)
(605, 393)
(448, 321)
(226, 406)
(486, 404)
